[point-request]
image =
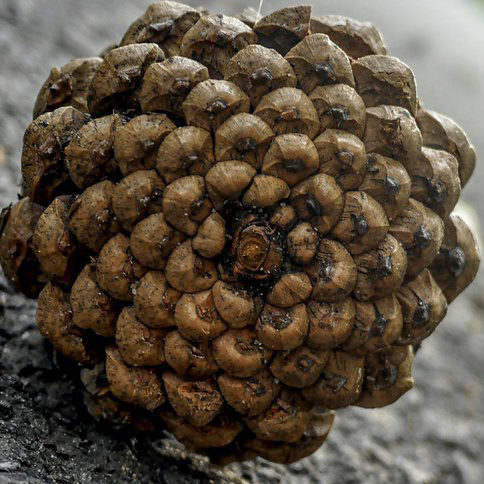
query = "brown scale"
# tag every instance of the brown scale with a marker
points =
(299, 368)
(341, 382)
(212, 102)
(92, 308)
(423, 308)
(237, 306)
(420, 231)
(435, 181)
(117, 80)
(442, 133)
(302, 243)
(188, 272)
(91, 217)
(211, 236)
(152, 241)
(377, 325)
(166, 84)
(136, 386)
(457, 262)
(239, 353)
(137, 196)
(214, 40)
(342, 156)
(44, 172)
(197, 402)
(330, 324)
(283, 29)
(189, 359)
(227, 180)
(155, 301)
(289, 110)
(137, 142)
(388, 375)
(220, 432)
(90, 155)
(318, 200)
(317, 61)
(258, 70)
(332, 273)
(381, 270)
(286, 420)
(356, 38)
(164, 23)
(116, 269)
(392, 131)
(291, 157)
(67, 86)
(138, 344)
(388, 183)
(54, 320)
(312, 439)
(186, 204)
(291, 289)
(249, 396)
(56, 249)
(363, 224)
(243, 137)
(339, 106)
(185, 151)
(19, 263)
(265, 191)
(282, 328)
(381, 79)
(196, 317)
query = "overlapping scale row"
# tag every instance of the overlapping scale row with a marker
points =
(238, 227)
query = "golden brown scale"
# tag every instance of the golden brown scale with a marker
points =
(423, 308)
(67, 86)
(377, 325)
(457, 262)
(92, 308)
(388, 183)
(388, 375)
(19, 263)
(442, 133)
(166, 84)
(317, 61)
(330, 324)
(356, 38)
(189, 359)
(44, 153)
(381, 79)
(262, 237)
(249, 396)
(342, 156)
(138, 344)
(214, 40)
(186, 151)
(340, 383)
(258, 70)
(91, 217)
(339, 106)
(243, 137)
(136, 143)
(117, 80)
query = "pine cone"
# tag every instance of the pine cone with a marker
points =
(237, 228)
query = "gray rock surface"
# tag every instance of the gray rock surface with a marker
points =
(435, 434)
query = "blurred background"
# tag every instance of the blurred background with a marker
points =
(435, 434)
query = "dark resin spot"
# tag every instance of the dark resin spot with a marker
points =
(422, 314)
(437, 190)
(304, 363)
(325, 72)
(391, 186)
(456, 261)
(379, 324)
(339, 114)
(245, 145)
(422, 237)
(361, 225)
(261, 76)
(385, 266)
(386, 378)
(157, 32)
(313, 207)
(294, 166)
(216, 107)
